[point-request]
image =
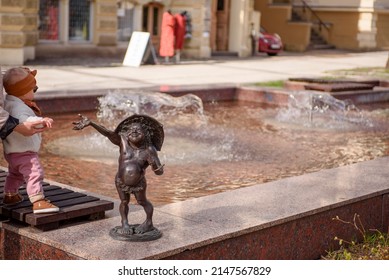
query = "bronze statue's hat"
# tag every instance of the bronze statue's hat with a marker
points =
(154, 127)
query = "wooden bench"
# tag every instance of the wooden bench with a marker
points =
(74, 206)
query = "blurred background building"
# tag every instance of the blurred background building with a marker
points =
(34, 28)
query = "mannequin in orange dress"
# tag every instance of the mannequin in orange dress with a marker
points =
(179, 32)
(52, 12)
(166, 47)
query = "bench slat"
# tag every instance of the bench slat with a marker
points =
(73, 211)
(73, 205)
(18, 213)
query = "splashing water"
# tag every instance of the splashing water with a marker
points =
(188, 136)
(183, 119)
(120, 104)
(321, 110)
(241, 144)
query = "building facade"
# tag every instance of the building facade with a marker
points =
(24, 24)
(34, 27)
(27, 25)
(348, 24)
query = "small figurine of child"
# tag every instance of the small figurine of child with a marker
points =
(138, 137)
(21, 152)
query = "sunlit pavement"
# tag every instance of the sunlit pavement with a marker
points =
(201, 72)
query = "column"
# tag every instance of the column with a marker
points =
(18, 31)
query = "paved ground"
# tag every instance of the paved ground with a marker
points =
(74, 74)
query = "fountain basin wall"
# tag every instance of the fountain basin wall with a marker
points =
(357, 91)
(71, 101)
(290, 218)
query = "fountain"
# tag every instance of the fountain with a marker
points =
(214, 147)
(235, 180)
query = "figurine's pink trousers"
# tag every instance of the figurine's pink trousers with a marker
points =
(24, 167)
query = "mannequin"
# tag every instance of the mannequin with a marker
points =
(179, 32)
(166, 48)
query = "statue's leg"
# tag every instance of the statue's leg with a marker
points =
(123, 209)
(149, 209)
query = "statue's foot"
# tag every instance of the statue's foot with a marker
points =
(125, 230)
(144, 232)
(145, 227)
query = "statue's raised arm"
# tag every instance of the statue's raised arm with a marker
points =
(84, 122)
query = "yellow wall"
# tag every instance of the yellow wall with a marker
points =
(343, 3)
(18, 30)
(18, 23)
(355, 24)
(105, 23)
(383, 31)
(343, 30)
(276, 19)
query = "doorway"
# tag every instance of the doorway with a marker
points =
(151, 22)
(220, 25)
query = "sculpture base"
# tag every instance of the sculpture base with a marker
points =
(135, 237)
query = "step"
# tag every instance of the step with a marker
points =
(338, 87)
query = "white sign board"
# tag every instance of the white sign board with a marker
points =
(136, 49)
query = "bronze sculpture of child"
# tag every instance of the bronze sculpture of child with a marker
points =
(139, 137)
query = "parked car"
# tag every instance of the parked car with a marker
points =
(269, 43)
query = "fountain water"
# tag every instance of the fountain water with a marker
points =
(121, 104)
(215, 147)
(183, 118)
(320, 109)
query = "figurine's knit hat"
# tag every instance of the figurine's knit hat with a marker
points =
(25, 84)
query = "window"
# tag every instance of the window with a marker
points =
(220, 5)
(155, 20)
(49, 20)
(145, 18)
(79, 20)
(125, 23)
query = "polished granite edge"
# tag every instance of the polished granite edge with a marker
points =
(202, 221)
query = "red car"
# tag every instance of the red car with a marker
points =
(269, 43)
